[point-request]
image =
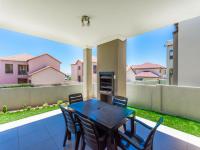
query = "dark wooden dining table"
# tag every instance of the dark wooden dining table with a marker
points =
(106, 116)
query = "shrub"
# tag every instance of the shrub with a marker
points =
(55, 105)
(45, 105)
(59, 102)
(5, 109)
(37, 108)
(24, 107)
(28, 108)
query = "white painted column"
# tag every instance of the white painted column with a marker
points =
(87, 73)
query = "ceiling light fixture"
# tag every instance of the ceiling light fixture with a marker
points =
(85, 20)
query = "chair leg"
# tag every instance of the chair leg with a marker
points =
(65, 139)
(82, 144)
(68, 134)
(124, 126)
(78, 135)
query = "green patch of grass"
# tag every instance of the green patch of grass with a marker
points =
(12, 116)
(182, 124)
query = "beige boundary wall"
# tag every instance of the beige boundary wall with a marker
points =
(175, 100)
(15, 98)
(180, 101)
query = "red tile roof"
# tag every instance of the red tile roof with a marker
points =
(24, 57)
(20, 57)
(147, 66)
(146, 74)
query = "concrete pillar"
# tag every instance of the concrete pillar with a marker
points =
(87, 73)
(111, 57)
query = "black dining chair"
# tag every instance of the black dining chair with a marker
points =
(90, 134)
(126, 142)
(121, 102)
(74, 98)
(72, 126)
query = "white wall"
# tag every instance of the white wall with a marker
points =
(189, 52)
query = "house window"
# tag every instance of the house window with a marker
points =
(94, 69)
(79, 67)
(8, 68)
(171, 54)
(22, 69)
(79, 78)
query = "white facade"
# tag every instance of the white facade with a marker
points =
(189, 52)
(170, 59)
(130, 75)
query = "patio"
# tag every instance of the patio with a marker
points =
(46, 131)
(108, 33)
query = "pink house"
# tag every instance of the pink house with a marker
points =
(146, 71)
(77, 70)
(25, 68)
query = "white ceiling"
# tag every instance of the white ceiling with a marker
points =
(59, 20)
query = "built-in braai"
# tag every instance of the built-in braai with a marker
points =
(106, 86)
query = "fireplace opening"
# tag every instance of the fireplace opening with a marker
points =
(106, 86)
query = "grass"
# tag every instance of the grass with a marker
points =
(182, 124)
(13, 116)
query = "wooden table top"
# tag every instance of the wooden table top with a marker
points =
(107, 115)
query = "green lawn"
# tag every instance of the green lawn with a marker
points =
(185, 125)
(12, 116)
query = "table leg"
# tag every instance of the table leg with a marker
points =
(112, 141)
(133, 126)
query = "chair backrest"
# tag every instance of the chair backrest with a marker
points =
(120, 101)
(89, 132)
(149, 141)
(74, 98)
(69, 119)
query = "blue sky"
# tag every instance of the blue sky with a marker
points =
(148, 47)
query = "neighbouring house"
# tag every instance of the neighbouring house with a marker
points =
(25, 68)
(170, 59)
(146, 71)
(77, 70)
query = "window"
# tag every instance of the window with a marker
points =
(79, 78)
(8, 68)
(79, 67)
(171, 54)
(94, 69)
(22, 69)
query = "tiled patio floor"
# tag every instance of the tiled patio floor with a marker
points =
(48, 134)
